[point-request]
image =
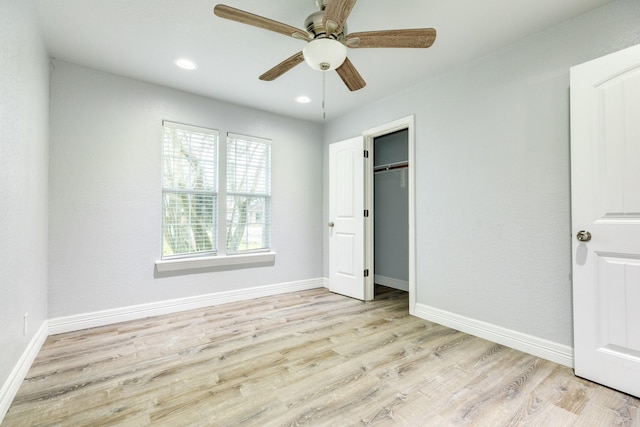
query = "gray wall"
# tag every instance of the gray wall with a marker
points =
(391, 209)
(492, 174)
(24, 102)
(105, 194)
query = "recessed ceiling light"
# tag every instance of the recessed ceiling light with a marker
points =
(303, 99)
(185, 64)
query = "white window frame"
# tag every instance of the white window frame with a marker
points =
(220, 259)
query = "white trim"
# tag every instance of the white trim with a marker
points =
(245, 260)
(190, 128)
(369, 220)
(248, 138)
(545, 349)
(19, 372)
(408, 123)
(402, 285)
(107, 317)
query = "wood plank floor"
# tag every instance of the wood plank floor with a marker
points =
(304, 358)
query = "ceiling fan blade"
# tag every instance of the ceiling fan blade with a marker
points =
(282, 67)
(336, 14)
(411, 38)
(228, 12)
(350, 76)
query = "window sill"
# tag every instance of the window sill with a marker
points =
(222, 262)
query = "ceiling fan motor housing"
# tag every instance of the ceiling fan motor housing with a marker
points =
(315, 26)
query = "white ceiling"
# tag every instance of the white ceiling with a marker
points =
(142, 38)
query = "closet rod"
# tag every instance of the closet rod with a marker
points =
(390, 166)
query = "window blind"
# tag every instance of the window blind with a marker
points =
(248, 193)
(189, 190)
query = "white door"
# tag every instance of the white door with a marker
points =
(346, 218)
(605, 184)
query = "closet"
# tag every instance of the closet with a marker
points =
(391, 210)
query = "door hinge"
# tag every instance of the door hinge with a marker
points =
(366, 272)
(366, 154)
(366, 213)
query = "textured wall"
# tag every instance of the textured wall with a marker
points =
(492, 174)
(106, 196)
(24, 102)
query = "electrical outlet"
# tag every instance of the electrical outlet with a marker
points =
(25, 324)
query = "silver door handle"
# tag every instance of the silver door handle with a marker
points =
(583, 236)
(331, 224)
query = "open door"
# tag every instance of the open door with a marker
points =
(605, 186)
(346, 218)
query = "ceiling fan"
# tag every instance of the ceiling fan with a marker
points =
(327, 39)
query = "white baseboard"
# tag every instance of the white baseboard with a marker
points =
(12, 384)
(107, 317)
(545, 349)
(402, 285)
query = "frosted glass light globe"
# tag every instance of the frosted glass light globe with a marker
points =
(324, 54)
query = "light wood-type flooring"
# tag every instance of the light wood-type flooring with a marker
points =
(304, 358)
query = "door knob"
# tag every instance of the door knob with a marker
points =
(331, 224)
(583, 236)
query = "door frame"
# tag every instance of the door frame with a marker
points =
(369, 135)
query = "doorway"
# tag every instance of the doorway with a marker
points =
(391, 211)
(405, 275)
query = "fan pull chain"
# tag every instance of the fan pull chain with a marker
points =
(324, 88)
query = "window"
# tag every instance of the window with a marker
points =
(191, 211)
(189, 190)
(248, 193)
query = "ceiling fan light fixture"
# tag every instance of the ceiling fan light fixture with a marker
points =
(324, 54)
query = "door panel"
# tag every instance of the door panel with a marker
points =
(605, 176)
(346, 216)
(345, 247)
(618, 160)
(617, 285)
